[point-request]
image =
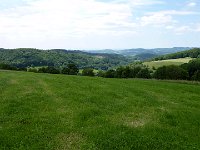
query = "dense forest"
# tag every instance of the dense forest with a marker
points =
(24, 57)
(193, 53)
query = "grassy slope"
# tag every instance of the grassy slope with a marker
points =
(41, 111)
(168, 62)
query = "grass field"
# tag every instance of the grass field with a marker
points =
(56, 112)
(168, 62)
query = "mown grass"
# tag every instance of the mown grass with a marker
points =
(168, 62)
(41, 111)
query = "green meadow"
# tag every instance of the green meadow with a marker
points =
(57, 112)
(167, 62)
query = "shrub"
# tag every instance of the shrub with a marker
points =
(171, 72)
(101, 74)
(196, 76)
(32, 70)
(110, 74)
(88, 72)
(144, 73)
(193, 66)
(50, 70)
(7, 67)
(71, 69)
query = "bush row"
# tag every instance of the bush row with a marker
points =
(189, 71)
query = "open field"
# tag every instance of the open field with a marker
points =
(42, 111)
(168, 62)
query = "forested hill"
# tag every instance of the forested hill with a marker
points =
(142, 54)
(26, 57)
(193, 53)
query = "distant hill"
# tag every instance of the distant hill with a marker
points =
(193, 53)
(145, 56)
(139, 51)
(25, 57)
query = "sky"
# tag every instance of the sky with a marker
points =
(99, 24)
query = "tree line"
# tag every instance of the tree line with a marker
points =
(187, 71)
(193, 53)
(27, 57)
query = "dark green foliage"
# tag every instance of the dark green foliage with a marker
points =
(110, 74)
(124, 72)
(32, 70)
(184, 66)
(161, 73)
(88, 72)
(145, 56)
(193, 66)
(7, 67)
(127, 72)
(101, 73)
(51, 70)
(136, 70)
(144, 73)
(171, 73)
(60, 58)
(153, 68)
(71, 69)
(193, 53)
(42, 70)
(119, 72)
(196, 76)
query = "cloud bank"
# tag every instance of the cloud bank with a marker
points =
(75, 24)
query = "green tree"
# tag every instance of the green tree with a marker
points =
(32, 70)
(71, 69)
(193, 66)
(196, 76)
(119, 72)
(101, 73)
(110, 73)
(144, 73)
(52, 70)
(171, 72)
(88, 72)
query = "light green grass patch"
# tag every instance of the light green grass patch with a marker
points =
(168, 62)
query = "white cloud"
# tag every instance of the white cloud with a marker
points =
(192, 4)
(58, 21)
(145, 2)
(175, 12)
(66, 18)
(156, 19)
(164, 17)
(191, 28)
(77, 17)
(197, 27)
(182, 29)
(169, 27)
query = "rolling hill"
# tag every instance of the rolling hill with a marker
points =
(42, 111)
(193, 53)
(60, 58)
(177, 58)
(139, 51)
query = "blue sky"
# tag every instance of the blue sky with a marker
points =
(99, 24)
